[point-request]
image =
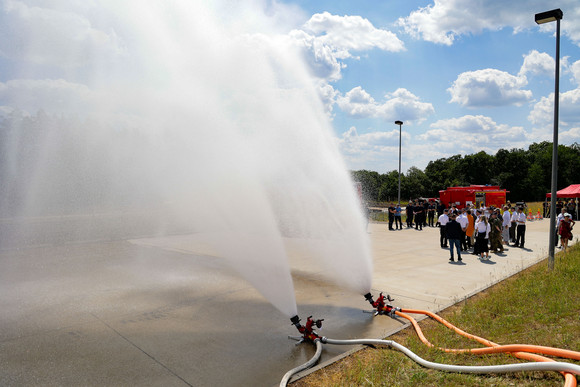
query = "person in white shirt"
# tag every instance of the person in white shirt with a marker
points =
(558, 220)
(442, 221)
(463, 221)
(513, 226)
(507, 220)
(521, 229)
(482, 229)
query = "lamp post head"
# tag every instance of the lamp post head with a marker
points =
(398, 122)
(549, 16)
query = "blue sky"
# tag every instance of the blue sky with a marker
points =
(463, 75)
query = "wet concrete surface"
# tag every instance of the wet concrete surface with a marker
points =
(167, 311)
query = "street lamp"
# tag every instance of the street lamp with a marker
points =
(541, 18)
(400, 123)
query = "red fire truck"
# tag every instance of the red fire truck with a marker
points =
(489, 195)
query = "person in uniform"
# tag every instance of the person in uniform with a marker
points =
(409, 211)
(495, 233)
(391, 211)
(431, 214)
(419, 214)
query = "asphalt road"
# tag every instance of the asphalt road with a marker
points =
(164, 311)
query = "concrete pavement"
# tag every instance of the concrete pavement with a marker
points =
(168, 311)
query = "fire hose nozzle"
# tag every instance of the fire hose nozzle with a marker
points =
(369, 298)
(295, 320)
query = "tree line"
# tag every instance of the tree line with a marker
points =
(526, 174)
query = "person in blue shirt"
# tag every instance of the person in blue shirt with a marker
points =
(398, 222)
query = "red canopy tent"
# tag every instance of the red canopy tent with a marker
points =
(572, 191)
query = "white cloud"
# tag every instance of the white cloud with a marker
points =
(463, 135)
(575, 70)
(444, 21)
(488, 88)
(321, 58)
(327, 39)
(570, 136)
(399, 105)
(52, 36)
(538, 63)
(470, 134)
(328, 96)
(362, 150)
(351, 33)
(569, 109)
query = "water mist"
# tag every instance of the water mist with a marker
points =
(199, 112)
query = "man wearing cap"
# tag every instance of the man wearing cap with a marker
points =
(442, 221)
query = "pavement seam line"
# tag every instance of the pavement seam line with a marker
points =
(142, 350)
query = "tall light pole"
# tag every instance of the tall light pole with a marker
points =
(400, 123)
(541, 18)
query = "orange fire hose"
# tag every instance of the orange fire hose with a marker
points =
(526, 352)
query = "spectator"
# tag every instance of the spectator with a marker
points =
(463, 222)
(495, 232)
(559, 219)
(506, 222)
(442, 222)
(514, 225)
(398, 222)
(453, 229)
(521, 229)
(482, 235)
(391, 211)
(470, 229)
(431, 214)
(409, 211)
(419, 215)
(565, 230)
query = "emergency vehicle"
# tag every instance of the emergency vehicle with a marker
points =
(489, 195)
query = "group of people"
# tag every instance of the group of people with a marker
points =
(483, 229)
(417, 213)
(563, 206)
(491, 230)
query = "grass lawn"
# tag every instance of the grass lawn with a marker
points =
(536, 306)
